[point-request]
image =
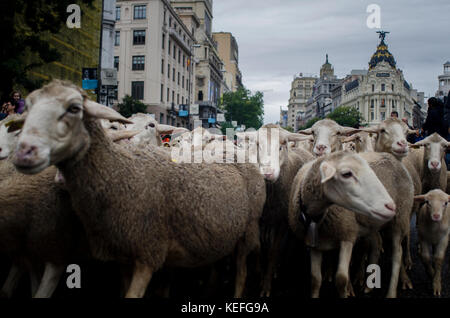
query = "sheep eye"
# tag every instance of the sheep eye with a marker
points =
(74, 109)
(347, 175)
(113, 127)
(383, 131)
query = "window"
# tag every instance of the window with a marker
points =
(137, 90)
(117, 13)
(383, 87)
(168, 95)
(182, 82)
(373, 87)
(371, 103)
(182, 100)
(178, 99)
(173, 96)
(163, 40)
(161, 118)
(140, 11)
(162, 66)
(162, 92)
(184, 60)
(372, 116)
(383, 102)
(138, 37)
(170, 46)
(168, 70)
(383, 115)
(174, 51)
(178, 81)
(116, 62)
(117, 38)
(138, 63)
(179, 56)
(187, 84)
(393, 87)
(173, 74)
(170, 22)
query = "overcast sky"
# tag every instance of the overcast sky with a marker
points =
(280, 38)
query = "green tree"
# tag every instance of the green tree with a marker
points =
(346, 116)
(289, 128)
(310, 122)
(23, 46)
(130, 106)
(243, 107)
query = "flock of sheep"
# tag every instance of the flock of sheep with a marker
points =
(78, 180)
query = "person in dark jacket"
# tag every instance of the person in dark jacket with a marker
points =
(435, 118)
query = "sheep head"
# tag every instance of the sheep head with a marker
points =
(436, 203)
(434, 151)
(391, 137)
(327, 136)
(10, 129)
(54, 130)
(347, 180)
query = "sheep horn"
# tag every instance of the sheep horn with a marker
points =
(122, 134)
(305, 131)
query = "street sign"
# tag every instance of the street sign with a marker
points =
(211, 120)
(234, 123)
(194, 109)
(89, 78)
(183, 113)
(220, 118)
(195, 118)
(108, 76)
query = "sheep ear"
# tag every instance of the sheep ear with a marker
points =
(96, 110)
(372, 130)
(15, 125)
(327, 171)
(305, 131)
(165, 129)
(417, 145)
(419, 198)
(122, 134)
(348, 131)
(349, 139)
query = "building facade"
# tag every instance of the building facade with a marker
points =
(208, 65)
(444, 82)
(382, 90)
(301, 91)
(152, 55)
(228, 50)
(283, 117)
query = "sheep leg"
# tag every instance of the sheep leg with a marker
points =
(49, 281)
(408, 259)
(396, 264)
(14, 275)
(425, 255)
(404, 278)
(438, 260)
(273, 256)
(316, 272)
(140, 279)
(342, 281)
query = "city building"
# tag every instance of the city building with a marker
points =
(79, 48)
(228, 50)
(382, 90)
(283, 117)
(152, 55)
(301, 91)
(208, 65)
(444, 82)
(321, 103)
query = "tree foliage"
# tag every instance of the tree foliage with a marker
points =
(23, 46)
(345, 116)
(243, 107)
(289, 128)
(130, 106)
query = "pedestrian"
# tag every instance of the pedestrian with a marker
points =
(435, 119)
(394, 114)
(18, 101)
(8, 108)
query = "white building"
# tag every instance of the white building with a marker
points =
(153, 50)
(444, 82)
(379, 92)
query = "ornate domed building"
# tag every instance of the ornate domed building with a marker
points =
(380, 90)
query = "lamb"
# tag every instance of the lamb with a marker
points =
(141, 210)
(37, 224)
(339, 228)
(430, 162)
(327, 136)
(279, 173)
(362, 141)
(433, 231)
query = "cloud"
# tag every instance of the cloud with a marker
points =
(280, 38)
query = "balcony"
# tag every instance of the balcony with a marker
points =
(174, 35)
